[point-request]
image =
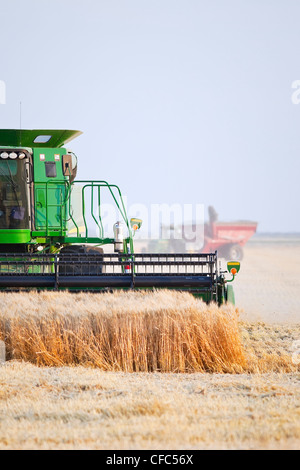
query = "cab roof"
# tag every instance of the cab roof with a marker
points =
(48, 138)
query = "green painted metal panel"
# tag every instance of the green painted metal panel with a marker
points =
(30, 138)
(15, 236)
(49, 190)
(42, 156)
(230, 297)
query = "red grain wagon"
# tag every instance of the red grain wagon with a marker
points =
(228, 238)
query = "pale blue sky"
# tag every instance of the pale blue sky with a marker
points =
(180, 101)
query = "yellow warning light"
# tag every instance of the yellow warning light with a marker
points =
(135, 224)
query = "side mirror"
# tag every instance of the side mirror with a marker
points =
(136, 224)
(233, 267)
(69, 164)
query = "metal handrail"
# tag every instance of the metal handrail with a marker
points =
(67, 199)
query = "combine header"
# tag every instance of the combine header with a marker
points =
(39, 198)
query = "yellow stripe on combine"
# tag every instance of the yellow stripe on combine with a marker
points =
(74, 230)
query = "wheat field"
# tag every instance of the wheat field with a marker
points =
(156, 370)
(158, 331)
(127, 331)
(85, 408)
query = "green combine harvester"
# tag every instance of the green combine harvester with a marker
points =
(43, 246)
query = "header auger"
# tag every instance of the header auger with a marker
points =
(44, 246)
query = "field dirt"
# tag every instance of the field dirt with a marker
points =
(87, 408)
(268, 285)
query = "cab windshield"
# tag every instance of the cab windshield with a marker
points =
(14, 193)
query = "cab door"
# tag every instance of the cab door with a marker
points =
(49, 191)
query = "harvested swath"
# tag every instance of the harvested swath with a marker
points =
(129, 331)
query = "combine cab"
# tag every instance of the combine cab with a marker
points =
(39, 198)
